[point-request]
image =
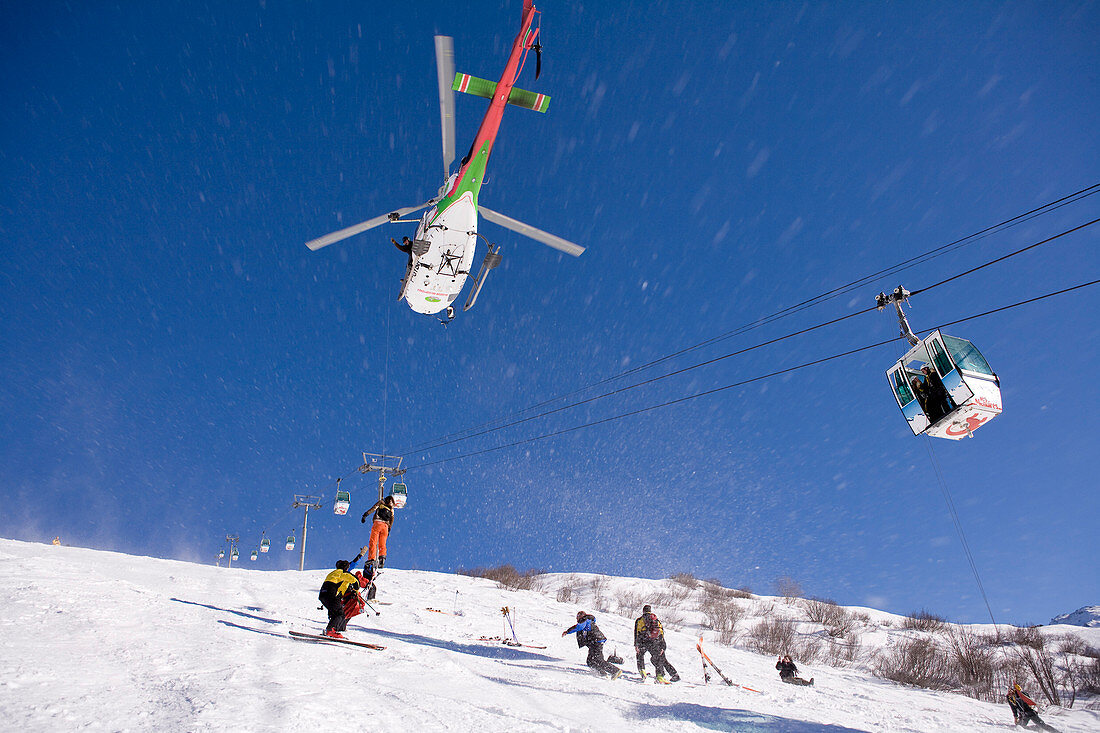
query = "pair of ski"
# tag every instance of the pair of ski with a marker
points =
(510, 642)
(707, 661)
(321, 637)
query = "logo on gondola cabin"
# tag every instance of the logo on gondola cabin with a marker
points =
(972, 423)
(432, 299)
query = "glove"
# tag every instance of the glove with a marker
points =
(363, 519)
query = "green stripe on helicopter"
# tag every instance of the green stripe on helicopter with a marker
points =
(485, 88)
(470, 182)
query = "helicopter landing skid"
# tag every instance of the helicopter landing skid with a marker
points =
(491, 260)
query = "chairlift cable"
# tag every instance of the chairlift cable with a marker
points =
(797, 307)
(958, 526)
(441, 443)
(744, 382)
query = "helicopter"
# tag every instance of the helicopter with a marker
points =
(441, 254)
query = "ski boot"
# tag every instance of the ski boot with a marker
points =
(660, 679)
(675, 677)
(381, 561)
(642, 673)
(333, 634)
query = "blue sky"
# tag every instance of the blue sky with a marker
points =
(175, 365)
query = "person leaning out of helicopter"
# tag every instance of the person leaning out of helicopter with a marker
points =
(379, 532)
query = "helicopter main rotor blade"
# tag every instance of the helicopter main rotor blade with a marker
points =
(445, 68)
(351, 231)
(527, 230)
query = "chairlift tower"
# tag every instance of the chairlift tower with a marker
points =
(307, 503)
(232, 539)
(383, 464)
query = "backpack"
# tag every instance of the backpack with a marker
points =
(652, 627)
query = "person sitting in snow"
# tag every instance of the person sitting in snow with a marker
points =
(338, 584)
(589, 635)
(1023, 708)
(649, 636)
(787, 672)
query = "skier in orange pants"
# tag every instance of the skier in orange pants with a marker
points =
(379, 532)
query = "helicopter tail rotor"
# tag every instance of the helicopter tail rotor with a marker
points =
(445, 69)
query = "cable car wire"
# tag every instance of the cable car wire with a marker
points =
(441, 443)
(958, 526)
(797, 307)
(744, 382)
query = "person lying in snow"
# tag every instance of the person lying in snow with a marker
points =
(589, 635)
(649, 636)
(787, 672)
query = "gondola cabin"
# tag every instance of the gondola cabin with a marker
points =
(945, 388)
(290, 542)
(234, 555)
(254, 556)
(343, 501)
(221, 554)
(400, 494)
(265, 545)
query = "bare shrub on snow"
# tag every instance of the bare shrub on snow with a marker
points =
(598, 586)
(1039, 660)
(838, 622)
(918, 662)
(506, 576)
(686, 579)
(672, 618)
(840, 652)
(722, 616)
(628, 603)
(924, 620)
(789, 589)
(774, 636)
(974, 658)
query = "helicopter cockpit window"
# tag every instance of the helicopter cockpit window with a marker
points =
(966, 356)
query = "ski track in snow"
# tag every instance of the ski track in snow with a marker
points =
(94, 640)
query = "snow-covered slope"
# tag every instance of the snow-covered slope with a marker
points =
(93, 640)
(1086, 616)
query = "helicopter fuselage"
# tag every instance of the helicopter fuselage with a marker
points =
(445, 239)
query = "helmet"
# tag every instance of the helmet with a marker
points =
(581, 615)
(646, 608)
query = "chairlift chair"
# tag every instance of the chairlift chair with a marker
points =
(400, 494)
(343, 501)
(974, 389)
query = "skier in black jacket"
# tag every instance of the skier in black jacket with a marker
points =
(649, 636)
(787, 672)
(337, 583)
(589, 635)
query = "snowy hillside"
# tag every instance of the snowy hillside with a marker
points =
(95, 640)
(1087, 616)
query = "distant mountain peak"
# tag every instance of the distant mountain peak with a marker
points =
(1085, 616)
